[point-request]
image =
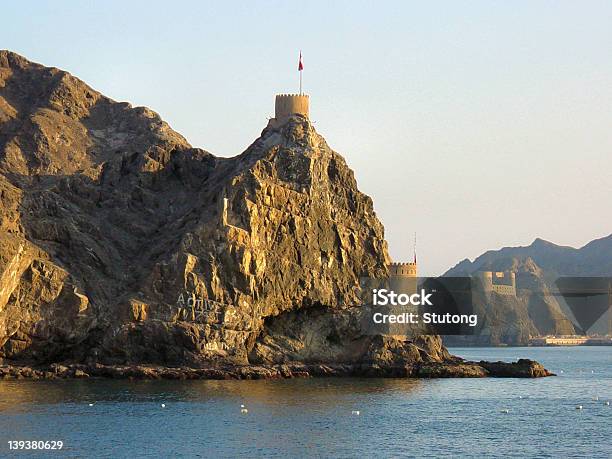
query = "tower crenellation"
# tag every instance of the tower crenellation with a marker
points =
(399, 269)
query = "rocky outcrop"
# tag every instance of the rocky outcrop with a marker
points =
(454, 368)
(121, 245)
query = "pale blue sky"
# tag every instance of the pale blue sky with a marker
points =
(495, 116)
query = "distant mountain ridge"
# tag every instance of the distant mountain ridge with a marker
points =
(593, 259)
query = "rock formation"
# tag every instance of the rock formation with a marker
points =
(120, 244)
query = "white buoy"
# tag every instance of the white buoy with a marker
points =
(355, 412)
(163, 405)
(578, 407)
(505, 411)
(561, 371)
(241, 406)
(607, 403)
(520, 396)
(91, 404)
(244, 410)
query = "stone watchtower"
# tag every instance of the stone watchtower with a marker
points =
(287, 105)
(403, 269)
(403, 277)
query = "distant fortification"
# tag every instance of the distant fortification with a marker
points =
(500, 282)
(287, 105)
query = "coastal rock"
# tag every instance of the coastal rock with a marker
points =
(523, 368)
(121, 245)
(454, 368)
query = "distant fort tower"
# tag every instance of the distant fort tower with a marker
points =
(403, 269)
(287, 105)
(403, 277)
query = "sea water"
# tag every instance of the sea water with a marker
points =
(326, 417)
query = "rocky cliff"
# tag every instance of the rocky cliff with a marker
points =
(120, 244)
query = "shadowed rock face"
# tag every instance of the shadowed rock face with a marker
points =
(119, 243)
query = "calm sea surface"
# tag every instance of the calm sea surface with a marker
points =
(289, 418)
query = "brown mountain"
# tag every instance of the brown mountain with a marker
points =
(594, 259)
(122, 244)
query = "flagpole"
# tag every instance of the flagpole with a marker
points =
(300, 68)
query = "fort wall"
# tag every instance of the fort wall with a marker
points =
(500, 282)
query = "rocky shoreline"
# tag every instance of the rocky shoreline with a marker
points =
(523, 368)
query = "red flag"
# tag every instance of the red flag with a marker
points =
(300, 64)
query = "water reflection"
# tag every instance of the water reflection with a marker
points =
(315, 393)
